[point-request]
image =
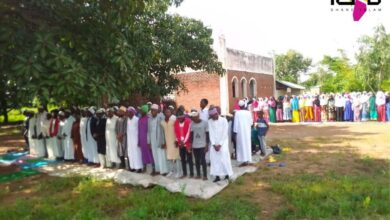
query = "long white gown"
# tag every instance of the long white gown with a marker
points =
(31, 133)
(83, 125)
(220, 164)
(39, 143)
(91, 146)
(53, 143)
(155, 140)
(134, 152)
(111, 141)
(242, 126)
(45, 131)
(67, 143)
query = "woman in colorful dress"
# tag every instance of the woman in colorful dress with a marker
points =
(279, 109)
(272, 109)
(372, 106)
(266, 109)
(348, 113)
(381, 106)
(295, 109)
(301, 105)
(388, 108)
(323, 104)
(357, 107)
(317, 109)
(365, 115)
(286, 109)
(331, 108)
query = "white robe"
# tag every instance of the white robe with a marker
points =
(91, 146)
(220, 164)
(155, 140)
(242, 126)
(31, 133)
(54, 144)
(67, 143)
(47, 139)
(111, 141)
(134, 151)
(39, 143)
(83, 125)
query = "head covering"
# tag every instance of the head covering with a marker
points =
(171, 107)
(110, 110)
(100, 111)
(131, 109)
(154, 106)
(241, 103)
(122, 108)
(213, 112)
(149, 103)
(194, 114)
(145, 108)
(115, 108)
(91, 110)
(61, 113)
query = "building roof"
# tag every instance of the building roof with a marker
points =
(290, 85)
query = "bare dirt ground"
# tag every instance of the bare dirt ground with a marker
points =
(316, 149)
(11, 139)
(342, 148)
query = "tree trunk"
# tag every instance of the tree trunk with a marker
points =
(4, 111)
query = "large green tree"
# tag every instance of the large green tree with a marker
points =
(373, 60)
(77, 51)
(290, 65)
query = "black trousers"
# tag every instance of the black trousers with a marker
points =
(339, 114)
(186, 157)
(200, 159)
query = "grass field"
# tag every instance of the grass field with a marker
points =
(334, 171)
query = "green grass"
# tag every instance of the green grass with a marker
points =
(334, 196)
(87, 198)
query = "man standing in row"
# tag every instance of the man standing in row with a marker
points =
(155, 139)
(146, 152)
(134, 151)
(220, 164)
(242, 129)
(98, 130)
(182, 132)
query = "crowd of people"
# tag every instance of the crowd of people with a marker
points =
(165, 138)
(352, 107)
(172, 141)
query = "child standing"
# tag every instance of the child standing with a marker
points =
(262, 129)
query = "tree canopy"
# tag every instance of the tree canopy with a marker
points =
(290, 65)
(371, 72)
(77, 51)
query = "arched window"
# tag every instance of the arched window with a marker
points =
(243, 88)
(253, 88)
(235, 87)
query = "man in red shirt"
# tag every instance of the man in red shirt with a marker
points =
(182, 131)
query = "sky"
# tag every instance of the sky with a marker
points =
(266, 27)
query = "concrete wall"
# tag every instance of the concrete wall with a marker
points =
(243, 61)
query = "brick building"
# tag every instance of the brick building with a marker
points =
(247, 75)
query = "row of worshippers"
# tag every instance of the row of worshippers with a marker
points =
(127, 138)
(354, 106)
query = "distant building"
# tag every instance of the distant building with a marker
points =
(288, 88)
(247, 75)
